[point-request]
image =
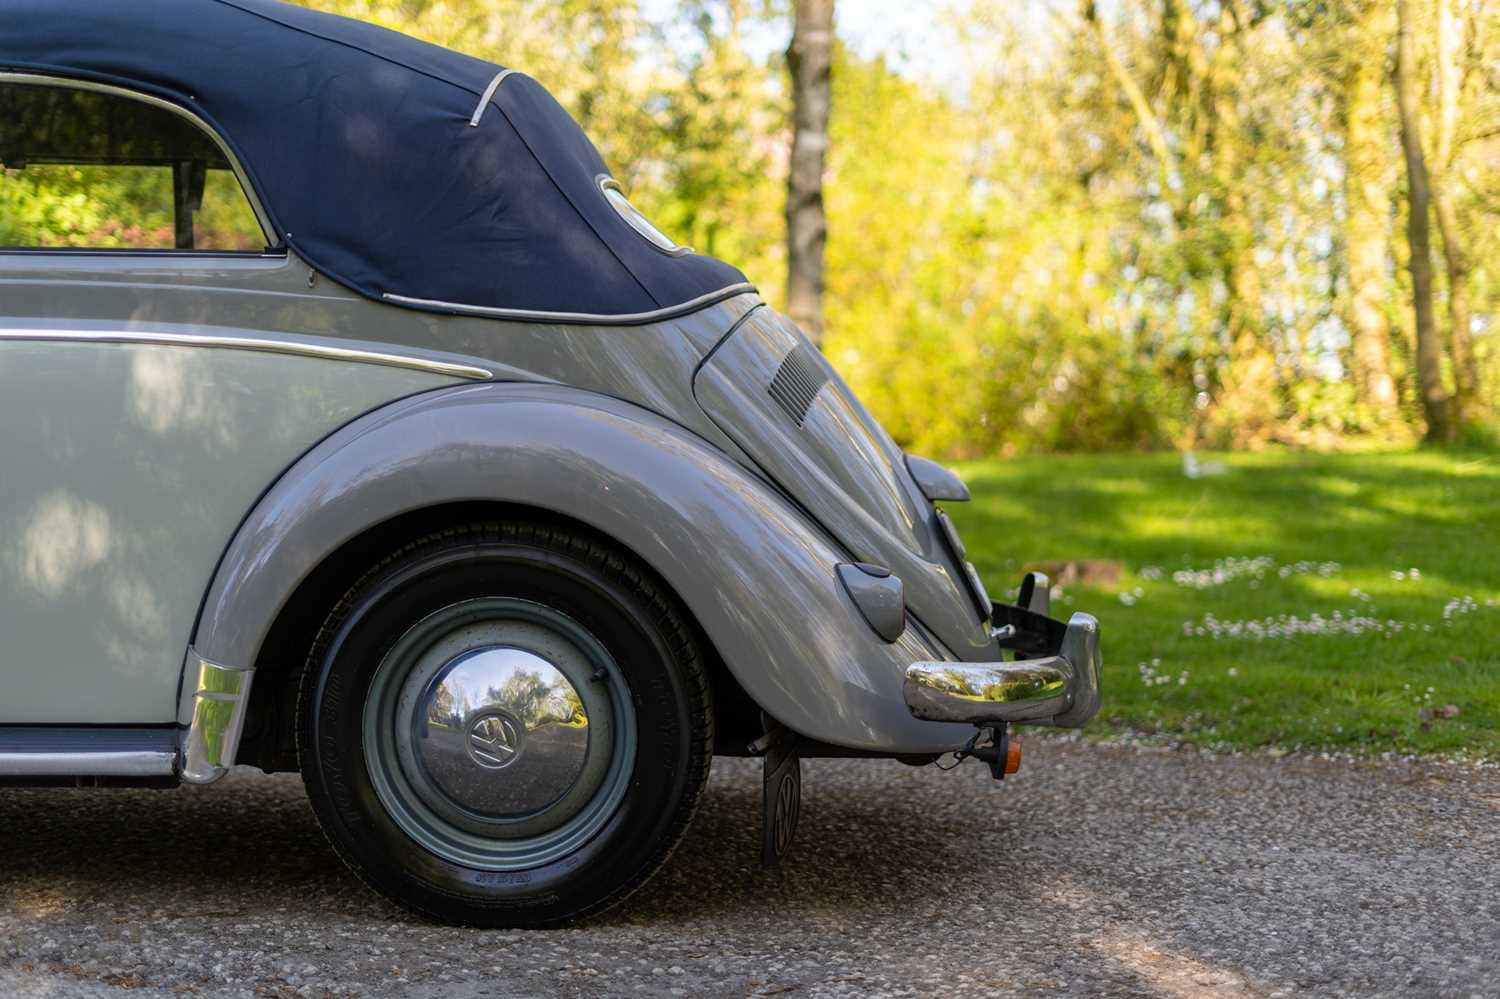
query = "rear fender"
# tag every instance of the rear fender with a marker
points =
(753, 570)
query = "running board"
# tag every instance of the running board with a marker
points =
(199, 753)
(68, 753)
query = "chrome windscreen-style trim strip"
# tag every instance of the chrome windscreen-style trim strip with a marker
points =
(40, 79)
(130, 763)
(577, 318)
(228, 342)
(489, 92)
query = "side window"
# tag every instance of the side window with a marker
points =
(92, 170)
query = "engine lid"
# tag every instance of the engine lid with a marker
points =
(776, 396)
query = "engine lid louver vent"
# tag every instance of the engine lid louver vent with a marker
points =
(797, 383)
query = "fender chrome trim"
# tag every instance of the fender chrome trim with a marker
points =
(213, 737)
(298, 348)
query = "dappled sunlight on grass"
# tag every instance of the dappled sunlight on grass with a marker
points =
(1334, 487)
(1275, 604)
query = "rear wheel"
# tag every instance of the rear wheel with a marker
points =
(505, 725)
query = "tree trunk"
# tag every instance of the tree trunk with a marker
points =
(1455, 252)
(1460, 310)
(1367, 195)
(1436, 405)
(1249, 404)
(810, 59)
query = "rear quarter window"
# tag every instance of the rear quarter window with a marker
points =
(82, 169)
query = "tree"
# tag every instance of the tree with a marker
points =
(1367, 199)
(1217, 148)
(1094, 225)
(810, 61)
(1436, 405)
(1451, 75)
(715, 180)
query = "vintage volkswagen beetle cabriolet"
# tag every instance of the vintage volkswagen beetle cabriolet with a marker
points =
(336, 361)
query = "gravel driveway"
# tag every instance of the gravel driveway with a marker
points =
(1098, 871)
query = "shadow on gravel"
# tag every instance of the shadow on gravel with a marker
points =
(1099, 871)
(145, 881)
(887, 849)
(242, 848)
(251, 845)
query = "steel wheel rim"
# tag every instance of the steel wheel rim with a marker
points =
(488, 635)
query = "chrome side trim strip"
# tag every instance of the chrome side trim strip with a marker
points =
(135, 763)
(38, 79)
(584, 318)
(213, 738)
(489, 92)
(229, 342)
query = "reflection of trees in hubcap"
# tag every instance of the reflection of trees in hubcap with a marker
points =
(495, 741)
(499, 684)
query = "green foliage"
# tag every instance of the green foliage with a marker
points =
(47, 205)
(1357, 524)
(103, 207)
(1098, 226)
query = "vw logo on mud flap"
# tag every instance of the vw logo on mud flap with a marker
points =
(495, 740)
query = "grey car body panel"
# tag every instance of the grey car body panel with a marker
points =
(127, 469)
(839, 464)
(151, 453)
(753, 570)
(650, 365)
(830, 677)
(837, 681)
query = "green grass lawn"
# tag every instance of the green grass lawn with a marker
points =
(1314, 633)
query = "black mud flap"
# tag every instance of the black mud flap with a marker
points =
(781, 804)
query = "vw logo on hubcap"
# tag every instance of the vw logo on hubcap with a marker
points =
(495, 740)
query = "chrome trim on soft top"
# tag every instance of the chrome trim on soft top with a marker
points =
(261, 344)
(668, 245)
(489, 92)
(41, 79)
(577, 318)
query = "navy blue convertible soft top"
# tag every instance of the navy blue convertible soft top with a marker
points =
(358, 141)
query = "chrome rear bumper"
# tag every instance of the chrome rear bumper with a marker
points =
(1060, 688)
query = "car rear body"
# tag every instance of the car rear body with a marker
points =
(199, 435)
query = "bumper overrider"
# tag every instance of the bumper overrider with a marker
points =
(1056, 684)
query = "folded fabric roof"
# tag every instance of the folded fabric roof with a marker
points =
(360, 144)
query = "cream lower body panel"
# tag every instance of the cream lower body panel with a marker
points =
(201, 753)
(125, 469)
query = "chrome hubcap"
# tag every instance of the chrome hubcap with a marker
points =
(499, 733)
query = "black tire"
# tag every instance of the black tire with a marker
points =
(575, 574)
